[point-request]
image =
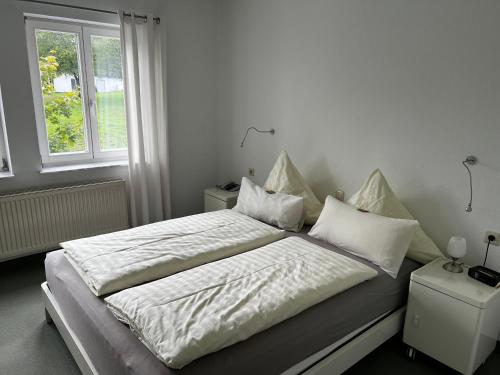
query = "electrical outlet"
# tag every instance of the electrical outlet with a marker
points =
(497, 237)
(251, 172)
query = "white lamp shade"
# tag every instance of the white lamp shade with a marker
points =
(457, 247)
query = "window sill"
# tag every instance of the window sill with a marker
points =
(6, 174)
(78, 167)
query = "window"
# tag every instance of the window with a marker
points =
(76, 75)
(5, 168)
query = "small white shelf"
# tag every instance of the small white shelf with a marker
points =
(78, 167)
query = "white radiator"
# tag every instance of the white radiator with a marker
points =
(36, 221)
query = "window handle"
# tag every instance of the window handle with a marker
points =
(5, 165)
(92, 107)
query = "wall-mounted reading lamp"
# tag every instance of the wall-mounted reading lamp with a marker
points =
(469, 161)
(270, 131)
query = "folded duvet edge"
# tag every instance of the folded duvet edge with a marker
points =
(106, 288)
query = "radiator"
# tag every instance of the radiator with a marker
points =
(36, 221)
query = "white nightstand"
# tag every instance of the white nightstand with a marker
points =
(451, 317)
(218, 199)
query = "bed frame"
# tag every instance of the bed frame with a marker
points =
(334, 359)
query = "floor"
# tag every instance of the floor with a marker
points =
(29, 346)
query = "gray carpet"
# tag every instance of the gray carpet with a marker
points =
(30, 346)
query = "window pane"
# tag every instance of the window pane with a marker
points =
(58, 61)
(107, 64)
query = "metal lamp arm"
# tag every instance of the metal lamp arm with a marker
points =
(270, 131)
(470, 160)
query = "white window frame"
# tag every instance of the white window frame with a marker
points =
(84, 32)
(4, 143)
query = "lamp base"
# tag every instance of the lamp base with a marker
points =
(453, 266)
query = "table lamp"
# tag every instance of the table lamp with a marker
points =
(457, 248)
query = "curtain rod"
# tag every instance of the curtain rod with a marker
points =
(145, 18)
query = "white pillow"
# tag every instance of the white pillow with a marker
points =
(285, 178)
(381, 240)
(377, 197)
(284, 211)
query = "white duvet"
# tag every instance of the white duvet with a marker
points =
(199, 311)
(119, 260)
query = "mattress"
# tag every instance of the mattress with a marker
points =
(114, 349)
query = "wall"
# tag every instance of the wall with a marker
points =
(191, 75)
(190, 37)
(411, 87)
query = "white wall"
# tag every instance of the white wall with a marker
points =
(191, 54)
(190, 41)
(411, 87)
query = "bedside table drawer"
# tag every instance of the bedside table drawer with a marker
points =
(442, 327)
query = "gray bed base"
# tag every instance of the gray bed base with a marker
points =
(334, 359)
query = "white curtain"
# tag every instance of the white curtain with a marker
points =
(147, 127)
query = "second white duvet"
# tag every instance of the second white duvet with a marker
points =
(190, 314)
(119, 260)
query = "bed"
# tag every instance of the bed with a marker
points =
(326, 338)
